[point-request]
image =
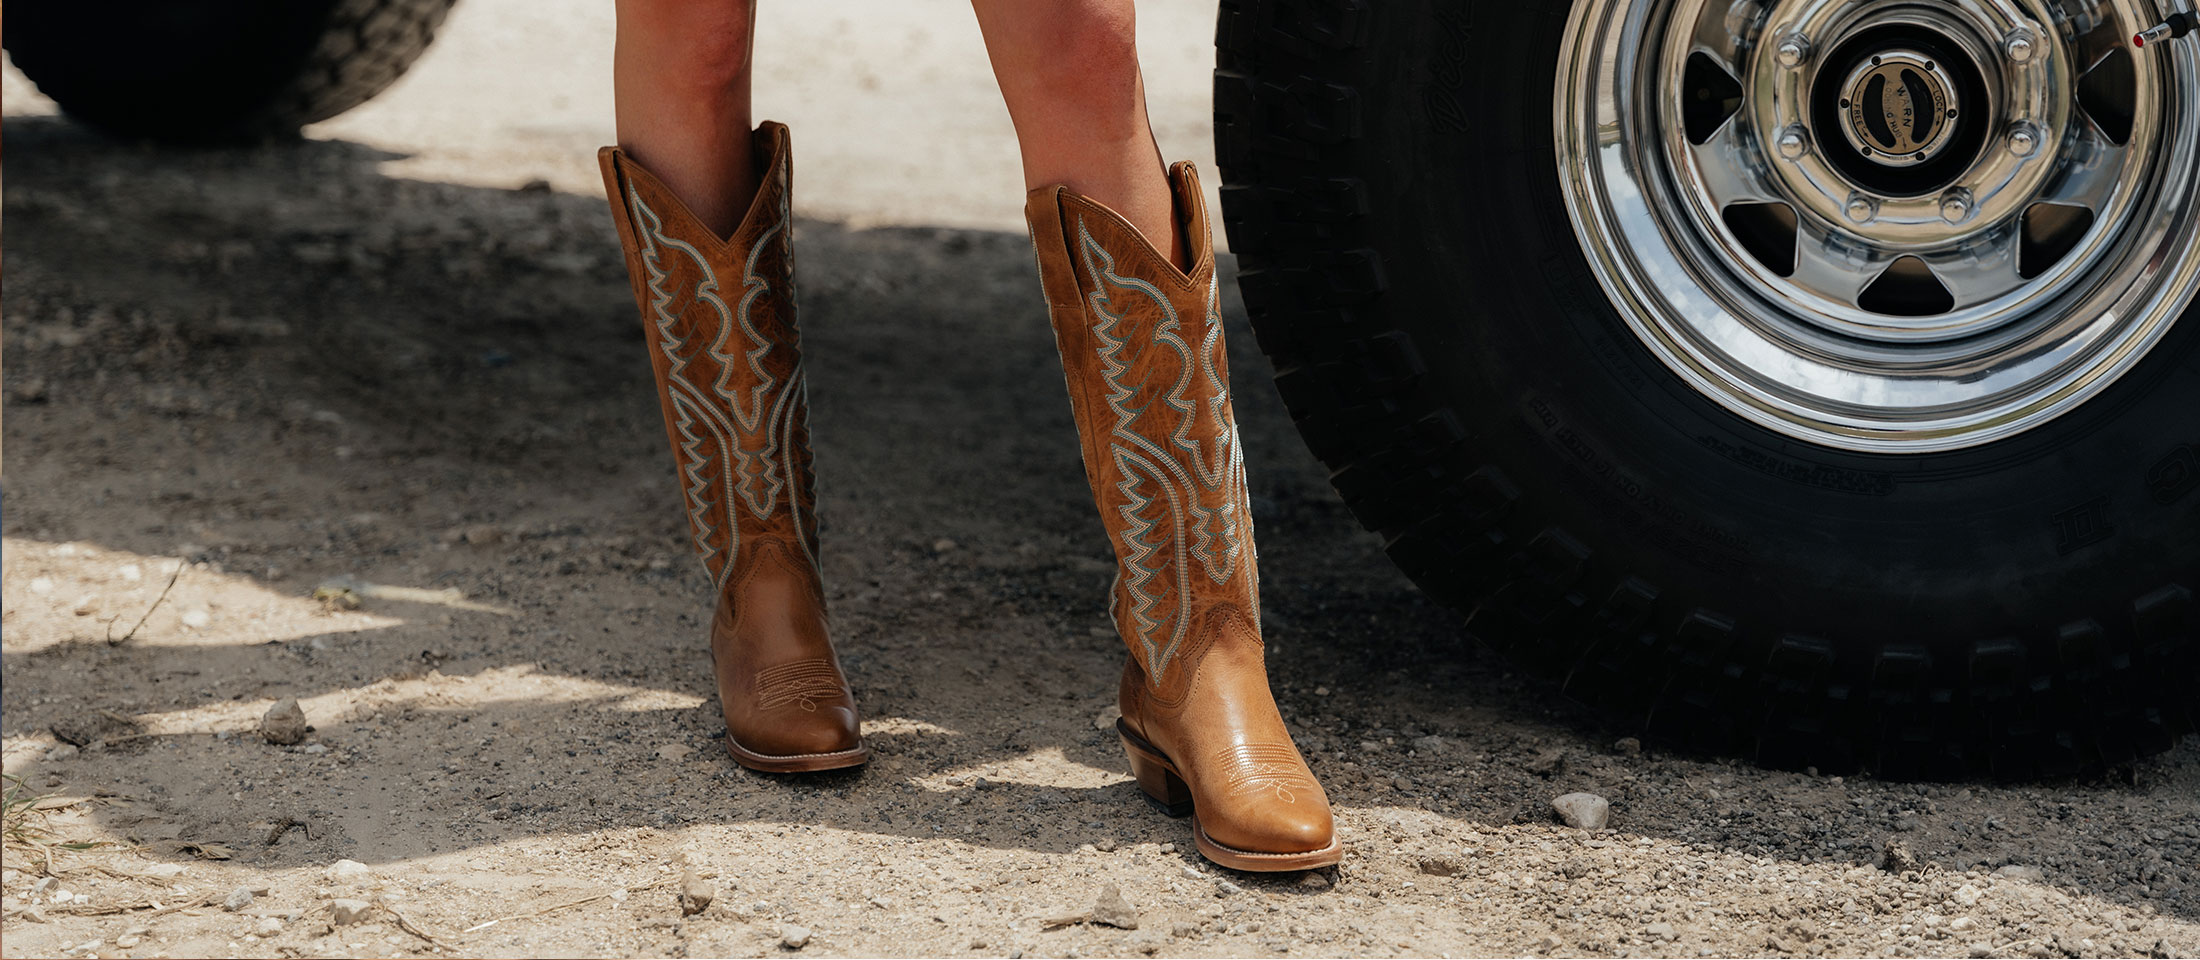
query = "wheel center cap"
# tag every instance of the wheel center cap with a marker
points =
(1899, 107)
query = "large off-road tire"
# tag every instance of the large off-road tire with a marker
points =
(1838, 587)
(210, 70)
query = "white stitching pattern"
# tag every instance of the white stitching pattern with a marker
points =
(1223, 534)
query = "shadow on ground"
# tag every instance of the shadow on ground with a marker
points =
(284, 367)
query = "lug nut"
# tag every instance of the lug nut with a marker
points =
(1861, 209)
(1793, 50)
(2018, 47)
(2022, 141)
(1792, 145)
(1953, 208)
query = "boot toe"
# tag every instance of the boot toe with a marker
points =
(1274, 831)
(799, 733)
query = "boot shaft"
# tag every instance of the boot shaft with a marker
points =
(719, 317)
(1149, 382)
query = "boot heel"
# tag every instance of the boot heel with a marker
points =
(1164, 789)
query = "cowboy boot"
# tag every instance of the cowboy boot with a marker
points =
(719, 315)
(1149, 383)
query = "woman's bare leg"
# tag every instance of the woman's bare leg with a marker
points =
(1069, 71)
(680, 86)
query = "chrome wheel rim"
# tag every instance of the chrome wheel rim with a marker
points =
(1885, 225)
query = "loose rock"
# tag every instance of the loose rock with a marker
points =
(1586, 811)
(696, 894)
(1114, 911)
(1628, 747)
(349, 870)
(1438, 866)
(2017, 871)
(674, 751)
(344, 913)
(267, 927)
(793, 937)
(237, 899)
(1548, 763)
(1896, 857)
(284, 723)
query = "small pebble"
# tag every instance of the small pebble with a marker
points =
(2016, 871)
(1585, 811)
(237, 899)
(1895, 857)
(1114, 911)
(65, 751)
(1628, 747)
(267, 927)
(793, 937)
(696, 894)
(349, 870)
(284, 723)
(1437, 867)
(347, 912)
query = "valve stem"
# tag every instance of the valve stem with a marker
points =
(2178, 25)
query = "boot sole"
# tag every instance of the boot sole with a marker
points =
(1166, 789)
(798, 762)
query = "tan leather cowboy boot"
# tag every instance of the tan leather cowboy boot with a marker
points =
(720, 318)
(1142, 352)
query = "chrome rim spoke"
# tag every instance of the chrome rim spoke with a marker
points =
(1721, 31)
(1730, 167)
(1982, 271)
(2091, 169)
(2095, 37)
(1835, 267)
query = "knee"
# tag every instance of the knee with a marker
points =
(1084, 61)
(689, 43)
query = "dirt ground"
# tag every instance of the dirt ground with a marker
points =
(238, 378)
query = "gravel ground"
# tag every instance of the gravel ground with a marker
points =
(364, 421)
